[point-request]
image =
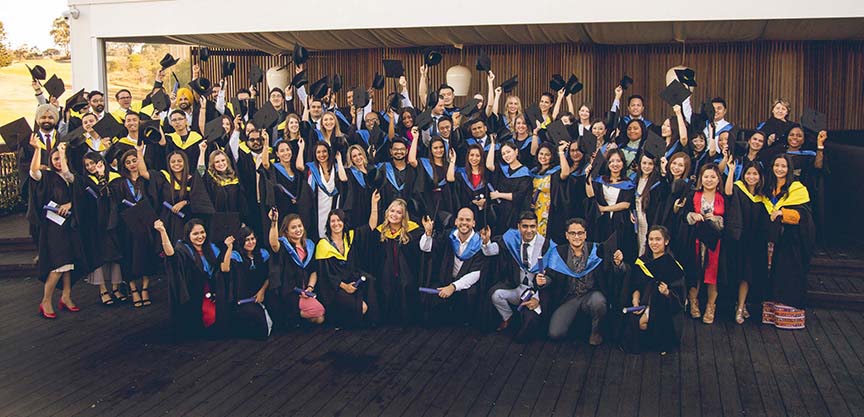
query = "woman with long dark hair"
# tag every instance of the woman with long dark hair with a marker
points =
(549, 199)
(511, 185)
(676, 177)
(247, 270)
(92, 197)
(746, 228)
(612, 195)
(431, 187)
(470, 183)
(791, 236)
(649, 197)
(327, 190)
(290, 188)
(50, 207)
(198, 292)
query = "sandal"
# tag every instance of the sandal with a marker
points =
(107, 302)
(145, 300)
(119, 295)
(139, 303)
(739, 315)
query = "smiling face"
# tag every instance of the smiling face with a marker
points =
(636, 107)
(528, 229)
(87, 122)
(131, 164)
(576, 235)
(575, 154)
(657, 243)
(521, 127)
(615, 164)
(226, 124)
(544, 157)
(328, 122)
(795, 138)
(756, 142)
(446, 96)
(677, 167)
(276, 99)
(465, 221)
(512, 105)
(55, 161)
(666, 129)
(508, 154)
(183, 103)
(698, 143)
(395, 214)
(124, 99)
(598, 129)
(97, 103)
(710, 180)
(646, 165)
(780, 111)
(634, 132)
(295, 230)
(47, 121)
(407, 119)
(336, 224)
(478, 130)
(130, 122)
(719, 111)
(178, 122)
(584, 113)
(254, 141)
(751, 176)
(321, 154)
(197, 235)
(90, 166)
(545, 104)
(474, 157)
(293, 125)
(316, 109)
(438, 149)
(175, 162)
(358, 159)
(780, 168)
(250, 243)
(220, 163)
(398, 150)
(283, 152)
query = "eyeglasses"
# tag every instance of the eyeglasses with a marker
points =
(579, 233)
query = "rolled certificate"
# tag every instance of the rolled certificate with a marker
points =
(427, 290)
(540, 267)
(55, 209)
(92, 192)
(246, 301)
(359, 281)
(628, 310)
(169, 207)
(309, 294)
(525, 297)
(128, 203)
(285, 190)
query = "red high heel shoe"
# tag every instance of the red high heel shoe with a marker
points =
(61, 306)
(45, 315)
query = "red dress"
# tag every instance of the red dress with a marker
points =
(711, 257)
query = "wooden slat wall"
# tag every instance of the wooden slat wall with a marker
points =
(827, 76)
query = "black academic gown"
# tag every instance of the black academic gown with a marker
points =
(318, 185)
(92, 199)
(154, 154)
(435, 193)
(665, 321)
(374, 142)
(292, 194)
(334, 268)
(666, 215)
(745, 233)
(190, 278)
(187, 144)
(793, 249)
(559, 203)
(259, 197)
(245, 279)
(288, 271)
(518, 182)
(602, 225)
(466, 193)
(358, 196)
(140, 253)
(59, 245)
(390, 186)
(163, 191)
(463, 306)
(398, 272)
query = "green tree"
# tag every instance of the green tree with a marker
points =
(60, 32)
(5, 54)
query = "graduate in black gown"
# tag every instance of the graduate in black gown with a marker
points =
(253, 164)
(460, 289)
(178, 193)
(470, 184)
(394, 248)
(656, 283)
(223, 186)
(326, 176)
(348, 292)
(395, 179)
(101, 247)
(431, 187)
(575, 183)
(791, 238)
(290, 190)
(358, 196)
(510, 185)
(140, 250)
(59, 248)
(199, 294)
(247, 272)
(612, 196)
(550, 199)
(293, 273)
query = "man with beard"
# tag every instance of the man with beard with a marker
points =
(253, 163)
(96, 100)
(182, 138)
(457, 261)
(48, 138)
(372, 139)
(395, 179)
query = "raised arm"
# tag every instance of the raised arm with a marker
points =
(298, 162)
(225, 266)
(142, 165)
(167, 247)
(340, 168)
(36, 160)
(451, 166)
(535, 140)
(422, 88)
(819, 161)
(412, 152)
(490, 78)
(202, 113)
(557, 108)
(373, 214)
(273, 237)
(496, 105)
(570, 107)
(265, 152)
(490, 156)
(64, 165)
(562, 156)
(391, 127)
(682, 125)
(730, 179)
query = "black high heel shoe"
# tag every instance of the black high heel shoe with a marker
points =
(139, 303)
(119, 295)
(107, 302)
(145, 300)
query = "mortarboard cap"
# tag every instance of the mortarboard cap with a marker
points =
(228, 68)
(203, 53)
(587, 143)
(213, 130)
(675, 93)
(626, 82)
(265, 117)
(223, 224)
(432, 99)
(573, 85)
(161, 101)
(686, 76)
(378, 81)
(37, 72)
(55, 87)
(431, 57)
(318, 89)
(509, 84)
(77, 101)
(299, 79)
(707, 111)
(337, 83)
(469, 107)
(654, 146)
(393, 68)
(16, 132)
(423, 120)
(201, 86)
(394, 101)
(557, 132)
(256, 75)
(140, 218)
(813, 120)
(74, 138)
(108, 127)
(300, 54)
(610, 245)
(557, 82)
(168, 61)
(533, 115)
(597, 165)
(493, 123)
(361, 97)
(148, 130)
(484, 63)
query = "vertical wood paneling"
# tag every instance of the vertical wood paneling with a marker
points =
(825, 75)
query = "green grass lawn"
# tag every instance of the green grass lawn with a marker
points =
(15, 83)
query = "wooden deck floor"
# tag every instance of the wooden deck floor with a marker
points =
(118, 362)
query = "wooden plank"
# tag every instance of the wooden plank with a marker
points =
(804, 378)
(556, 380)
(670, 388)
(745, 375)
(631, 385)
(526, 382)
(500, 354)
(786, 384)
(491, 391)
(651, 376)
(691, 400)
(730, 399)
(829, 392)
(583, 369)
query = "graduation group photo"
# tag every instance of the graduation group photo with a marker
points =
(497, 214)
